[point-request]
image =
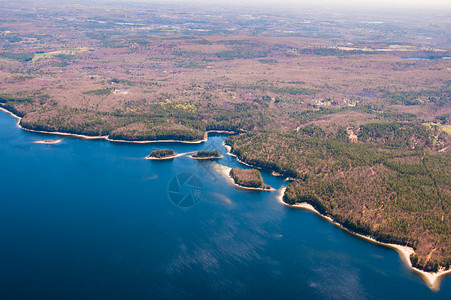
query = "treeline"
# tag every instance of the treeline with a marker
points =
(10, 103)
(292, 197)
(22, 57)
(429, 265)
(157, 133)
(403, 168)
(13, 109)
(91, 126)
(4, 98)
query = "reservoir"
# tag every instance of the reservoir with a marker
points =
(92, 219)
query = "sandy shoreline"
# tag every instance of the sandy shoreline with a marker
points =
(273, 173)
(106, 137)
(155, 141)
(10, 113)
(225, 171)
(206, 158)
(432, 280)
(238, 160)
(49, 142)
(303, 205)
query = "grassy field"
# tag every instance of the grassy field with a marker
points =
(64, 53)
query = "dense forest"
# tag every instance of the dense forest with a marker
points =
(248, 178)
(207, 154)
(161, 153)
(392, 192)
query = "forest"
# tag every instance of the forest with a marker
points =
(388, 190)
(207, 153)
(248, 178)
(161, 153)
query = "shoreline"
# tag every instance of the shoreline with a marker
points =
(225, 171)
(10, 113)
(432, 280)
(153, 141)
(237, 159)
(216, 131)
(106, 137)
(273, 173)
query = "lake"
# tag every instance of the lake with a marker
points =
(91, 219)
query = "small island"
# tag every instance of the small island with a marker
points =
(249, 178)
(162, 154)
(203, 154)
(49, 142)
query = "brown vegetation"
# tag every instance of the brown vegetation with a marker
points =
(248, 178)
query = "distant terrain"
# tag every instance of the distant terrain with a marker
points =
(354, 107)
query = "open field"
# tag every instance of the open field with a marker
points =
(61, 53)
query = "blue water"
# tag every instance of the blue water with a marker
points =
(418, 58)
(425, 58)
(91, 219)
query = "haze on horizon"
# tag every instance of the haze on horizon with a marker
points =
(413, 4)
(324, 4)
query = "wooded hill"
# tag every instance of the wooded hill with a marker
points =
(394, 194)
